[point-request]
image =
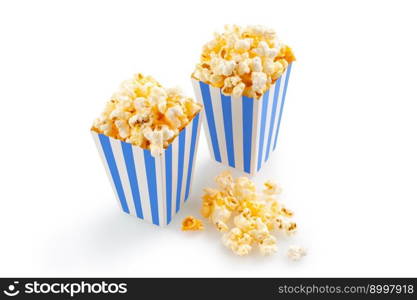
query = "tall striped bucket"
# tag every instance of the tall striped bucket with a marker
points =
(242, 132)
(149, 188)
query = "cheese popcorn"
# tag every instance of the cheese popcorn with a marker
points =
(191, 223)
(251, 216)
(243, 60)
(146, 114)
(296, 252)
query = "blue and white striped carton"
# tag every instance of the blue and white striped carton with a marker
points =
(242, 132)
(152, 189)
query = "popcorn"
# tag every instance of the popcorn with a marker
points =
(258, 81)
(256, 65)
(123, 127)
(243, 51)
(243, 222)
(243, 44)
(238, 241)
(118, 113)
(243, 67)
(268, 245)
(158, 98)
(271, 188)
(136, 119)
(146, 114)
(221, 226)
(157, 138)
(225, 180)
(174, 91)
(290, 228)
(286, 212)
(254, 215)
(224, 67)
(260, 232)
(191, 223)
(296, 252)
(220, 214)
(238, 89)
(174, 114)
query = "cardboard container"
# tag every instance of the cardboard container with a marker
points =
(242, 132)
(152, 189)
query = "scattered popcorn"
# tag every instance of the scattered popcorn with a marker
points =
(238, 241)
(271, 188)
(252, 217)
(252, 55)
(296, 252)
(146, 114)
(191, 223)
(268, 245)
(290, 228)
(221, 226)
(286, 212)
(220, 213)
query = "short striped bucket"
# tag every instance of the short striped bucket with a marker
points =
(242, 132)
(151, 188)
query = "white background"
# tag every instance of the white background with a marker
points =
(347, 157)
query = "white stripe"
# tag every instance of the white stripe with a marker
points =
(164, 190)
(195, 156)
(160, 184)
(197, 93)
(216, 101)
(106, 166)
(116, 146)
(237, 125)
(188, 133)
(257, 110)
(281, 92)
(142, 182)
(175, 145)
(268, 122)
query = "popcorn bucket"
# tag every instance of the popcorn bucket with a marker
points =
(147, 187)
(242, 132)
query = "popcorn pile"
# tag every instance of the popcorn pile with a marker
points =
(254, 215)
(243, 60)
(146, 114)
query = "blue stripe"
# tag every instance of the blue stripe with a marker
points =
(152, 185)
(180, 167)
(228, 128)
(247, 117)
(274, 112)
(205, 92)
(168, 181)
(265, 101)
(133, 179)
(282, 103)
(108, 153)
(192, 151)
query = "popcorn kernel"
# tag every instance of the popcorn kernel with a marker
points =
(191, 223)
